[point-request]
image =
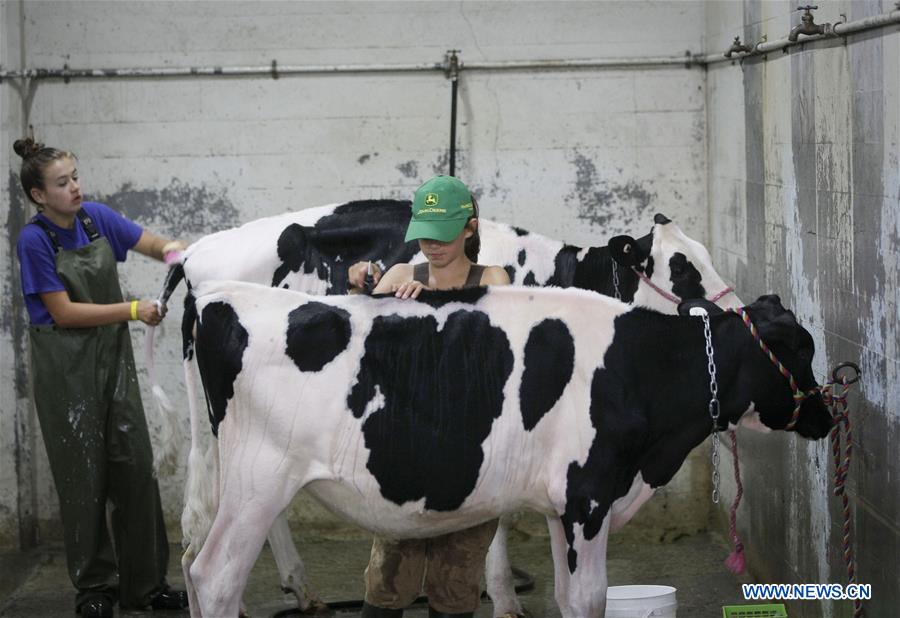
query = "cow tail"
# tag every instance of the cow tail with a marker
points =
(164, 456)
(201, 491)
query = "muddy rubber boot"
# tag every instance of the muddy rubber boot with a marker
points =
(433, 613)
(373, 611)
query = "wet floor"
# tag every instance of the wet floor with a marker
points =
(36, 584)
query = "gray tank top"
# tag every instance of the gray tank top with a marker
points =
(420, 274)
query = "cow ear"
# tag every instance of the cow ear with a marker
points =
(684, 308)
(661, 219)
(626, 251)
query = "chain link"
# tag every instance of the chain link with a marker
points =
(713, 407)
(616, 281)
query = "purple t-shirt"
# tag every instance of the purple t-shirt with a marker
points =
(37, 259)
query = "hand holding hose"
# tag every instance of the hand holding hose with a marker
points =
(150, 312)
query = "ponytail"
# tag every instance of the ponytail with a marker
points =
(473, 242)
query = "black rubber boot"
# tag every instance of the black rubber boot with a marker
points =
(170, 598)
(433, 613)
(96, 606)
(373, 611)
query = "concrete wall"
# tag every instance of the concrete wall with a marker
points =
(578, 155)
(804, 194)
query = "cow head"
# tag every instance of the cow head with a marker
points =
(761, 382)
(676, 264)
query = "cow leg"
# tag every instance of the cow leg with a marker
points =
(220, 571)
(187, 559)
(582, 593)
(498, 572)
(252, 495)
(625, 507)
(290, 567)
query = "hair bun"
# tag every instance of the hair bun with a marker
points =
(27, 147)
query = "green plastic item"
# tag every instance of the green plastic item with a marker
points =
(775, 610)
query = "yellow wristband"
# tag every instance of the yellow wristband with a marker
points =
(134, 306)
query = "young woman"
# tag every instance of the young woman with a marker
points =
(447, 231)
(85, 386)
(449, 567)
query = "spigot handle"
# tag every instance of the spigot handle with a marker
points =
(807, 8)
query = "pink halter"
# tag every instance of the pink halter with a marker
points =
(671, 297)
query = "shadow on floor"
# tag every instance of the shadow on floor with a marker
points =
(36, 584)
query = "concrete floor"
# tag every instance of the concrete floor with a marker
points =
(35, 584)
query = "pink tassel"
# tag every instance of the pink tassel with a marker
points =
(736, 562)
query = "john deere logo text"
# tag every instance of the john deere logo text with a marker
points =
(425, 210)
(431, 199)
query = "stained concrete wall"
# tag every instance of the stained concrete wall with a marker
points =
(579, 155)
(804, 194)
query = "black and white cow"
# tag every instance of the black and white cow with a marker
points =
(556, 406)
(310, 251)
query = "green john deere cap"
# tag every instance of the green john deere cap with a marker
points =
(440, 209)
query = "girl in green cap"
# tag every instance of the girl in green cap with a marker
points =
(445, 222)
(449, 567)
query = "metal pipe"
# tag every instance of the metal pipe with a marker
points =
(272, 70)
(831, 31)
(867, 23)
(276, 70)
(605, 63)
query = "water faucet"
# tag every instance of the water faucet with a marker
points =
(737, 47)
(806, 25)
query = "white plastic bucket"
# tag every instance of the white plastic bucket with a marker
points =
(640, 602)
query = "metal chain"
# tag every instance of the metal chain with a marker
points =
(616, 281)
(713, 407)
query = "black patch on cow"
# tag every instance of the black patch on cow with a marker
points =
(511, 271)
(439, 298)
(221, 341)
(661, 219)
(564, 266)
(529, 279)
(649, 399)
(648, 405)
(316, 334)
(685, 277)
(520, 232)
(521, 257)
(442, 391)
(188, 320)
(356, 231)
(549, 362)
(592, 272)
(648, 269)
